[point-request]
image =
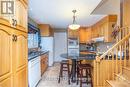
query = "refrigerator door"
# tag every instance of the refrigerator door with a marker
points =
(47, 43)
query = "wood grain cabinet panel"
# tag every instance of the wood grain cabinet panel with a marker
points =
(13, 57)
(19, 50)
(6, 82)
(85, 34)
(19, 18)
(126, 13)
(46, 30)
(44, 63)
(20, 78)
(21, 15)
(5, 56)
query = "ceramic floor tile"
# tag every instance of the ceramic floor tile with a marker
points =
(50, 78)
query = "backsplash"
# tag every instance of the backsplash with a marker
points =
(102, 47)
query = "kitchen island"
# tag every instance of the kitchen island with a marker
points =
(77, 57)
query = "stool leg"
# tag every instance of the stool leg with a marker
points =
(68, 74)
(60, 74)
(81, 75)
(90, 77)
(77, 75)
(87, 73)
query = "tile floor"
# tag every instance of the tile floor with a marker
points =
(50, 78)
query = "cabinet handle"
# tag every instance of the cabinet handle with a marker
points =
(13, 39)
(14, 22)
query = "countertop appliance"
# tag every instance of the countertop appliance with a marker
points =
(34, 71)
(47, 43)
(87, 47)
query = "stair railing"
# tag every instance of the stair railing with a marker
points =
(112, 61)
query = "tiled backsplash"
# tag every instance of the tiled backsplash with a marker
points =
(103, 47)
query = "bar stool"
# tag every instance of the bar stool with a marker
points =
(80, 74)
(64, 68)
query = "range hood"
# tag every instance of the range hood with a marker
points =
(98, 39)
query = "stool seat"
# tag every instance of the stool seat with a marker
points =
(80, 74)
(84, 66)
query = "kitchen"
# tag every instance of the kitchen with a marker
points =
(75, 44)
(45, 41)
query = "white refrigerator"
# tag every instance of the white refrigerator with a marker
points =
(47, 44)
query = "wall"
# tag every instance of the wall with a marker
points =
(108, 7)
(60, 45)
(103, 46)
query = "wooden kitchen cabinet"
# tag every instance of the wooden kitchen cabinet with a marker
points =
(19, 49)
(5, 57)
(73, 33)
(103, 28)
(21, 15)
(44, 63)
(19, 18)
(85, 34)
(13, 53)
(46, 30)
(126, 13)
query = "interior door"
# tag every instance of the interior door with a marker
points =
(5, 57)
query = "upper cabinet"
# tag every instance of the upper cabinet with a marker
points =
(19, 17)
(73, 33)
(103, 28)
(46, 30)
(126, 13)
(85, 34)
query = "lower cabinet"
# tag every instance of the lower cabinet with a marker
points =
(13, 57)
(44, 63)
(6, 82)
(20, 78)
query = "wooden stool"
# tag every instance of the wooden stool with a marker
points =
(64, 68)
(80, 74)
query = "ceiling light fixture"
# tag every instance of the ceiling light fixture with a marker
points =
(74, 26)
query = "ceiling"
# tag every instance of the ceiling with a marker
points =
(58, 13)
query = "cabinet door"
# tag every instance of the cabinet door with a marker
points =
(5, 57)
(20, 59)
(6, 82)
(82, 35)
(5, 18)
(20, 79)
(21, 14)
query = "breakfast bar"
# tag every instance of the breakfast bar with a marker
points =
(77, 57)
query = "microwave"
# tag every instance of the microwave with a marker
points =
(73, 42)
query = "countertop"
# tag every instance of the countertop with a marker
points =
(80, 56)
(36, 54)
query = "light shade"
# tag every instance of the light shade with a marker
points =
(74, 26)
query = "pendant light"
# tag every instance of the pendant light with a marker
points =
(74, 26)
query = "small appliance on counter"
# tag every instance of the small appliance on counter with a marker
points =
(87, 47)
